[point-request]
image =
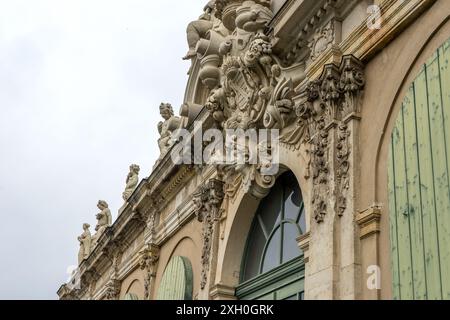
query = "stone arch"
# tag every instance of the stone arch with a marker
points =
(178, 248)
(135, 288)
(183, 245)
(432, 43)
(196, 92)
(240, 217)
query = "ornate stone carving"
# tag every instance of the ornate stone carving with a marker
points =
(199, 29)
(85, 243)
(328, 103)
(66, 293)
(131, 182)
(320, 170)
(166, 127)
(113, 289)
(253, 16)
(104, 217)
(330, 93)
(226, 10)
(207, 202)
(89, 278)
(322, 40)
(104, 220)
(254, 92)
(115, 255)
(352, 83)
(343, 150)
(148, 259)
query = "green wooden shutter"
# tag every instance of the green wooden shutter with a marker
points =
(419, 193)
(176, 283)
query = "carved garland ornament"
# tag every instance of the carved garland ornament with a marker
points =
(330, 102)
(113, 289)
(148, 259)
(208, 200)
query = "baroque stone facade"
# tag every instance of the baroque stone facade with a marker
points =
(318, 73)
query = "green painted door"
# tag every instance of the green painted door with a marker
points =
(176, 283)
(419, 188)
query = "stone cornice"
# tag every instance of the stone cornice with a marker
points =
(291, 34)
(396, 16)
(369, 221)
(364, 43)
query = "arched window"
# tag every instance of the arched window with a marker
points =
(279, 221)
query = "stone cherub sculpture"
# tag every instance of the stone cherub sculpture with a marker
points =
(104, 220)
(132, 181)
(198, 29)
(166, 127)
(85, 243)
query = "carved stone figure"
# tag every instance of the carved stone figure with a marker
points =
(166, 127)
(132, 181)
(198, 29)
(252, 16)
(85, 243)
(104, 217)
(104, 220)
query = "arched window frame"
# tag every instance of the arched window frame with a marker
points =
(299, 222)
(280, 226)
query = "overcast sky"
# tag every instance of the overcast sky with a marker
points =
(80, 86)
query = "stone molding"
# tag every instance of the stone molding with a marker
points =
(369, 221)
(303, 243)
(222, 292)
